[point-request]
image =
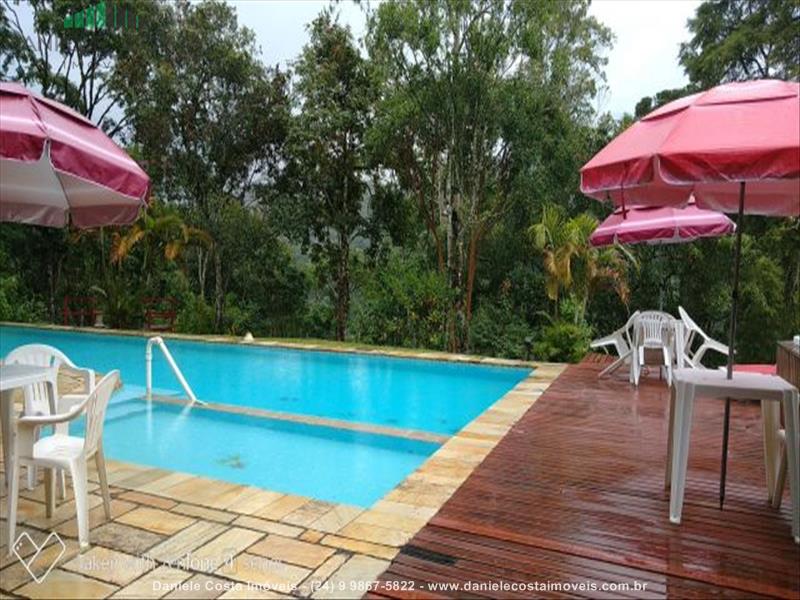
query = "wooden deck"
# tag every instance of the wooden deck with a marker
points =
(574, 494)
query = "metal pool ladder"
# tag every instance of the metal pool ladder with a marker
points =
(148, 355)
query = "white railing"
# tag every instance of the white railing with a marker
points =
(148, 355)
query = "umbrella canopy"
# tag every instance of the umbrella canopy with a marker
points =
(706, 145)
(660, 225)
(57, 166)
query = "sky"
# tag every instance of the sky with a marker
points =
(643, 60)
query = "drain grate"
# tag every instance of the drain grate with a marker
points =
(430, 555)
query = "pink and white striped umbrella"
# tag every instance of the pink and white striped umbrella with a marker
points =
(661, 225)
(56, 166)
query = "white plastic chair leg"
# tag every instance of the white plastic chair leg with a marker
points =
(13, 497)
(100, 461)
(80, 487)
(62, 483)
(49, 491)
(31, 477)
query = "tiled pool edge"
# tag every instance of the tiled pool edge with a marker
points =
(414, 354)
(394, 519)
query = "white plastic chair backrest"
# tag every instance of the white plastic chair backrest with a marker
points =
(651, 325)
(691, 326)
(96, 406)
(37, 396)
(628, 329)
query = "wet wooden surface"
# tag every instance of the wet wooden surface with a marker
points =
(575, 494)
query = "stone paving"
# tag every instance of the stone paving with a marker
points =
(175, 535)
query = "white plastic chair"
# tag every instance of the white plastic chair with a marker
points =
(38, 400)
(60, 451)
(622, 341)
(693, 332)
(652, 330)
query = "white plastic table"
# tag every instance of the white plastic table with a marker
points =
(690, 383)
(13, 377)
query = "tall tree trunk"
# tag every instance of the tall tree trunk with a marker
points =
(342, 287)
(472, 266)
(219, 291)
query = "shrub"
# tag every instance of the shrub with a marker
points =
(402, 304)
(562, 341)
(496, 330)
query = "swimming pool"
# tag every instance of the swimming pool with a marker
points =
(322, 462)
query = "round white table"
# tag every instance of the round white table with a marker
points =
(14, 377)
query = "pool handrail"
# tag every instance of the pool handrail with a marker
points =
(159, 341)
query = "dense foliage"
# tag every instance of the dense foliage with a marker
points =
(419, 189)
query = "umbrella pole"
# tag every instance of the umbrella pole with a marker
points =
(732, 343)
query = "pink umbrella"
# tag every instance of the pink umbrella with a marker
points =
(735, 148)
(56, 165)
(660, 225)
(708, 145)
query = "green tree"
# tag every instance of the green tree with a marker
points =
(86, 70)
(736, 40)
(210, 120)
(462, 81)
(572, 265)
(329, 171)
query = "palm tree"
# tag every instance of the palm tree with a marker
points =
(161, 227)
(571, 264)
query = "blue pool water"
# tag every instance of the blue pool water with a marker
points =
(321, 462)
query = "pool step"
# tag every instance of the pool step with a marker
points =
(409, 434)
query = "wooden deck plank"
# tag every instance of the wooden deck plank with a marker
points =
(574, 492)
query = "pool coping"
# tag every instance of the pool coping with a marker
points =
(414, 354)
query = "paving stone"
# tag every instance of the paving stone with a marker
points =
(360, 547)
(291, 551)
(282, 507)
(336, 518)
(125, 538)
(253, 500)
(148, 500)
(209, 514)
(249, 592)
(97, 516)
(154, 584)
(268, 526)
(321, 574)
(63, 584)
(174, 548)
(109, 565)
(308, 513)
(200, 586)
(359, 569)
(312, 536)
(215, 554)
(155, 520)
(270, 574)
(390, 521)
(376, 534)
